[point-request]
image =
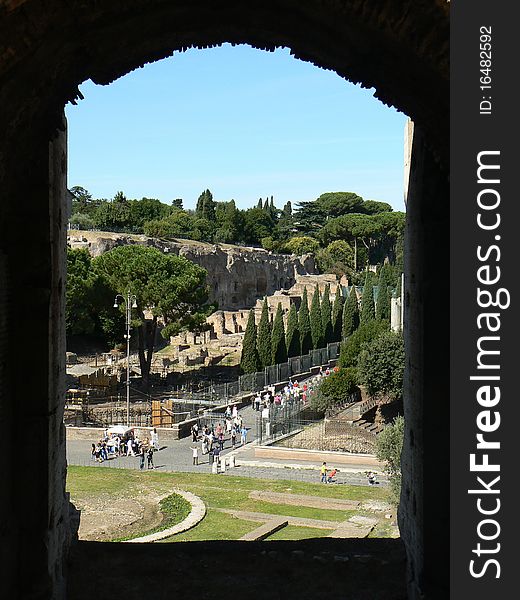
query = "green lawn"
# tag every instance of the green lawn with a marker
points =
(220, 491)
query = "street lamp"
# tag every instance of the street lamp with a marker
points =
(130, 302)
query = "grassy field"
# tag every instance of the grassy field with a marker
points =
(92, 487)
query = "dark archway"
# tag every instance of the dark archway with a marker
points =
(401, 48)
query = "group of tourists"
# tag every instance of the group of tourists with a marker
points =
(212, 438)
(291, 394)
(113, 445)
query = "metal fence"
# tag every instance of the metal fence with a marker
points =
(113, 410)
(337, 435)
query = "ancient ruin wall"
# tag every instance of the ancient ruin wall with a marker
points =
(237, 276)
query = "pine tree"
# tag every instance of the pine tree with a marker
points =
(263, 341)
(337, 314)
(350, 320)
(278, 345)
(368, 310)
(293, 333)
(316, 320)
(326, 316)
(304, 325)
(383, 301)
(266, 205)
(249, 361)
(260, 203)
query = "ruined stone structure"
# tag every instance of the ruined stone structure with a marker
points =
(237, 276)
(398, 47)
(227, 327)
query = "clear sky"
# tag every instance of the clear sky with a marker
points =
(244, 123)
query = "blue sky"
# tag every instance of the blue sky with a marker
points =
(242, 122)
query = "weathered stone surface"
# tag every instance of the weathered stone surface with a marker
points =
(237, 275)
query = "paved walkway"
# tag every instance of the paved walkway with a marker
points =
(176, 456)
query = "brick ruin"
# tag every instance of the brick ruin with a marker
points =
(227, 327)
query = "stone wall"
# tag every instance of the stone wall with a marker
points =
(237, 275)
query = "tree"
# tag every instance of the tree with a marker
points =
(389, 445)
(337, 258)
(351, 348)
(179, 224)
(335, 390)
(301, 245)
(316, 320)
(372, 207)
(167, 287)
(230, 222)
(263, 341)
(314, 214)
(383, 301)
(205, 206)
(258, 224)
(326, 316)
(337, 314)
(368, 311)
(304, 325)
(89, 300)
(278, 345)
(293, 333)
(250, 361)
(350, 320)
(177, 204)
(381, 365)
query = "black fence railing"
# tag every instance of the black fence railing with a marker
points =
(336, 435)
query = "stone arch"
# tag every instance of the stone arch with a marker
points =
(399, 47)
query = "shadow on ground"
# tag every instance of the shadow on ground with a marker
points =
(346, 569)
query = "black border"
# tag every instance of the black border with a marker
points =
(471, 133)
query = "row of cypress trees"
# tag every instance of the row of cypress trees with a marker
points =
(306, 329)
(312, 328)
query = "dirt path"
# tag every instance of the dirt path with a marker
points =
(105, 517)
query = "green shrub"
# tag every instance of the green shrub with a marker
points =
(335, 389)
(381, 365)
(352, 346)
(389, 446)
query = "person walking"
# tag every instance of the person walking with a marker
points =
(195, 454)
(141, 457)
(234, 437)
(155, 439)
(243, 436)
(149, 456)
(323, 472)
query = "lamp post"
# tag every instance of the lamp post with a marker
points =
(130, 302)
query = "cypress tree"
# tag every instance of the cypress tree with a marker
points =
(350, 321)
(293, 333)
(326, 316)
(279, 348)
(205, 206)
(337, 314)
(304, 325)
(383, 301)
(368, 309)
(260, 203)
(263, 341)
(316, 320)
(249, 361)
